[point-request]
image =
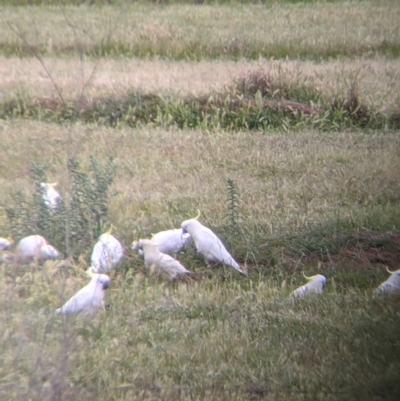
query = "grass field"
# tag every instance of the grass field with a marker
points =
(280, 123)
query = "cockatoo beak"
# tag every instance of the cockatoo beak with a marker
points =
(105, 285)
(183, 232)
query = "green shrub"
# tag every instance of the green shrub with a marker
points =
(80, 216)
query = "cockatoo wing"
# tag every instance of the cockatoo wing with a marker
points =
(210, 246)
(29, 247)
(97, 258)
(391, 285)
(384, 288)
(82, 301)
(49, 252)
(114, 249)
(158, 261)
(171, 241)
(171, 265)
(300, 292)
(314, 287)
(107, 254)
(89, 298)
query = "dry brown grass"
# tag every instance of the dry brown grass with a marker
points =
(378, 80)
(229, 28)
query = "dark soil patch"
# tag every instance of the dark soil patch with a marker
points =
(367, 253)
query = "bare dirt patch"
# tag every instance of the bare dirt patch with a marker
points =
(374, 251)
(373, 256)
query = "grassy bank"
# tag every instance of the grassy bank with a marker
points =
(258, 99)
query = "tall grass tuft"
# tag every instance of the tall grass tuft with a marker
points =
(80, 216)
(233, 204)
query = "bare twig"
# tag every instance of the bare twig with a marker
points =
(79, 49)
(16, 29)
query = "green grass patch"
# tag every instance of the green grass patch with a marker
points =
(200, 340)
(254, 101)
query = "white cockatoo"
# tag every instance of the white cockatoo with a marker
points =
(50, 196)
(159, 262)
(208, 244)
(315, 285)
(107, 253)
(391, 285)
(36, 247)
(171, 241)
(5, 244)
(89, 299)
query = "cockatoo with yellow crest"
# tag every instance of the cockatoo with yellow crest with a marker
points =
(107, 253)
(170, 242)
(89, 299)
(208, 244)
(159, 262)
(35, 247)
(391, 285)
(51, 197)
(315, 285)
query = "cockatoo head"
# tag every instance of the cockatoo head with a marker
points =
(143, 243)
(46, 185)
(394, 277)
(104, 280)
(49, 252)
(100, 279)
(6, 243)
(106, 234)
(135, 246)
(188, 226)
(318, 278)
(394, 273)
(146, 242)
